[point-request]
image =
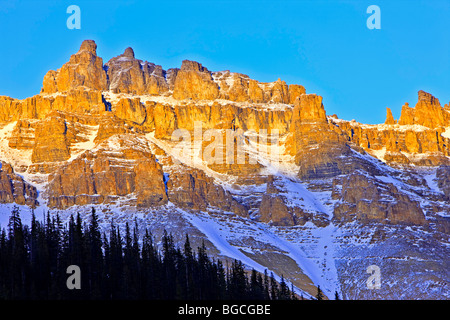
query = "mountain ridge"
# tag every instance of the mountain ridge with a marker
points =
(261, 156)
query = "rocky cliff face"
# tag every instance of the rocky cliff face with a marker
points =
(121, 165)
(129, 136)
(419, 137)
(127, 74)
(129, 96)
(84, 69)
(13, 189)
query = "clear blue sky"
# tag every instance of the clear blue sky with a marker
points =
(323, 45)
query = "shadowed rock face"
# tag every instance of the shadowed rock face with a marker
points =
(443, 179)
(192, 189)
(366, 199)
(14, 189)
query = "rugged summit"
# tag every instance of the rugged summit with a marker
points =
(84, 69)
(307, 195)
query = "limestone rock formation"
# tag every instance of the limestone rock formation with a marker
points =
(84, 69)
(389, 117)
(114, 98)
(295, 91)
(121, 165)
(51, 143)
(274, 210)
(427, 112)
(102, 135)
(14, 189)
(79, 100)
(191, 188)
(366, 199)
(22, 136)
(150, 183)
(443, 179)
(131, 110)
(129, 75)
(418, 137)
(320, 148)
(193, 81)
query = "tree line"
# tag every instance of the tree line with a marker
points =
(34, 261)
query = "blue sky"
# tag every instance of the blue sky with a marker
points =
(323, 45)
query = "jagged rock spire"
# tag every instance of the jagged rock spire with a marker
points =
(88, 45)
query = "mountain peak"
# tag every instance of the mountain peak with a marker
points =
(189, 65)
(389, 117)
(129, 52)
(427, 97)
(88, 45)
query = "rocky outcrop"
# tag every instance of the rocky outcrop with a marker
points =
(427, 112)
(240, 88)
(84, 69)
(13, 189)
(274, 209)
(167, 118)
(22, 136)
(129, 75)
(193, 81)
(418, 138)
(366, 199)
(150, 183)
(51, 143)
(111, 125)
(193, 189)
(295, 91)
(396, 138)
(443, 179)
(233, 86)
(171, 76)
(130, 109)
(80, 100)
(10, 109)
(309, 109)
(320, 148)
(389, 117)
(120, 166)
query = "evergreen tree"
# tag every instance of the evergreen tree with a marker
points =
(266, 286)
(221, 281)
(336, 296)
(150, 267)
(18, 255)
(238, 281)
(319, 295)
(33, 262)
(256, 286)
(284, 293)
(189, 268)
(169, 290)
(293, 296)
(94, 248)
(274, 291)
